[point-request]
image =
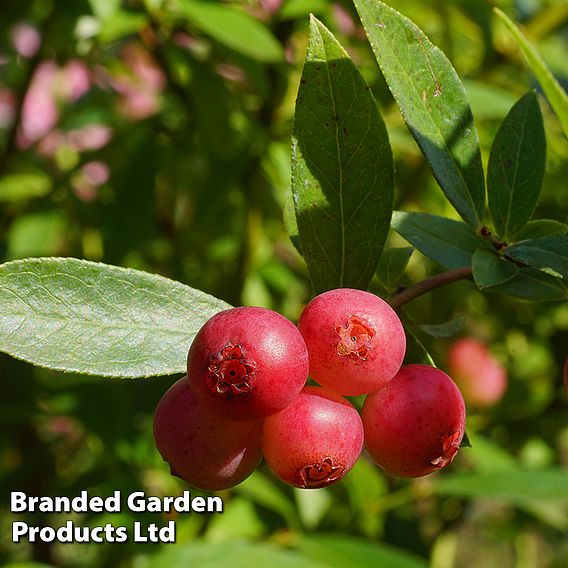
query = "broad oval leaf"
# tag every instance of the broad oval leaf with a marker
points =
(73, 315)
(448, 242)
(342, 168)
(545, 253)
(234, 28)
(516, 167)
(554, 92)
(433, 103)
(490, 269)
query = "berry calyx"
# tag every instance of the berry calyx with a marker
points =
(315, 441)
(206, 451)
(247, 363)
(355, 340)
(415, 424)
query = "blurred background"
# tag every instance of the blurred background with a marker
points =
(155, 134)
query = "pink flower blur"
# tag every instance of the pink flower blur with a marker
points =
(39, 113)
(25, 39)
(74, 80)
(141, 88)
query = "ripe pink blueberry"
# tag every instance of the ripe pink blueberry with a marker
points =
(355, 341)
(415, 424)
(315, 441)
(480, 377)
(247, 363)
(206, 451)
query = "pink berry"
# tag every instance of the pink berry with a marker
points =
(315, 441)
(355, 341)
(415, 424)
(480, 377)
(206, 451)
(247, 363)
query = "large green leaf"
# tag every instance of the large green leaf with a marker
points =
(350, 552)
(490, 269)
(545, 253)
(514, 485)
(74, 315)
(554, 92)
(342, 168)
(448, 242)
(234, 28)
(433, 103)
(516, 167)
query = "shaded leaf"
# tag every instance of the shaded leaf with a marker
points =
(448, 242)
(392, 265)
(546, 253)
(542, 228)
(415, 350)
(433, 103)
(531, 284)
(444, 330)
(234, 28)
(554, 92)
(516, 167)
(490, 269)
(74, 315)
(342, 169)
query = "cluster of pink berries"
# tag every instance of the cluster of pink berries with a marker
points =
(245, 398)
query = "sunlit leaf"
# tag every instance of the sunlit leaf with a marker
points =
(433, 103)
(342, 168)
(74, 315)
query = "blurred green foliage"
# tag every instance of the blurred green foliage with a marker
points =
(155, 134)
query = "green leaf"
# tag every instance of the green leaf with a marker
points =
(415, 350)
(531, 284)
(268, 493)
(512, 485)
(21, 186)
(296, 9)
(448, 242)
(74, 315)
(36, 234)
(121, 24)
(516, 167)
(392, 265)
(350, 552)
(542, 228)
(444, 330)
(234, 554)
(490, 269)
(342, 168)
(546, 253)
(233, 28)
(433, 103)
(555, 94)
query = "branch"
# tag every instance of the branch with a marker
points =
(426, 286)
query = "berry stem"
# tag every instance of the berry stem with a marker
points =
(416, 290)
